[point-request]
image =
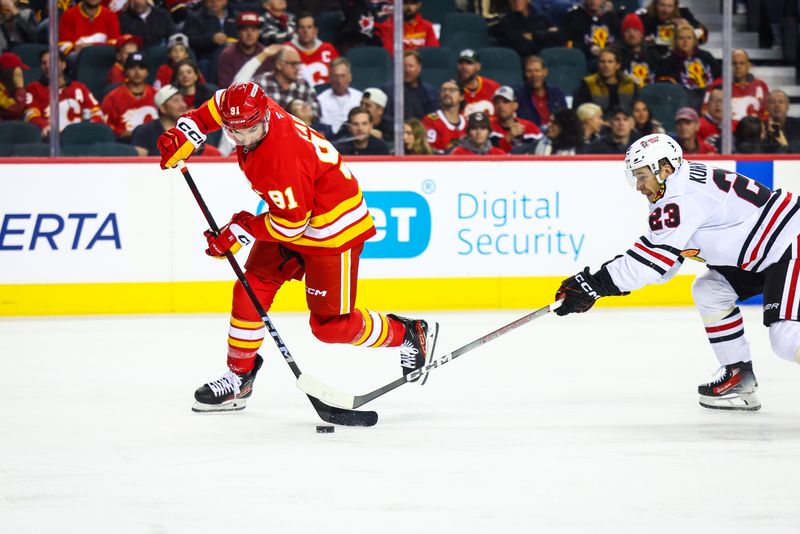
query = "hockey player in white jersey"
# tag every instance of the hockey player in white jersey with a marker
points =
(747, 235)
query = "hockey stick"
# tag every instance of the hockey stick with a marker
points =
(313, 387)
(329, 414)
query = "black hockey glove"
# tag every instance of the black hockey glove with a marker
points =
(581, 290)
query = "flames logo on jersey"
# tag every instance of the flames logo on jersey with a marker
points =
(136, 116)
(599, 35)
(665, 33)
(640, 72)
(695, 74)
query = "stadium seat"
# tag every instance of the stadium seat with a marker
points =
(30, 150)
(328, 23)
(73, 151)
(111, 149)
(469, 29)
(665, 99)
(107, 88)
(566, 67)
(154, 57)
(438, 64)
(29, 54)
(19, 132)
(502, 65)
(371, 66)
(87, 133)
(436, 10)
(93, 65)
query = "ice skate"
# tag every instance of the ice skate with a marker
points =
(229, 393)
(418, 344)
(733, 388)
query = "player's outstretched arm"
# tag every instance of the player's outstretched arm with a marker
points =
(580, 291)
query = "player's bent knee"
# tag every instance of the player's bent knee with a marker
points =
(325, 328)
(784, 337)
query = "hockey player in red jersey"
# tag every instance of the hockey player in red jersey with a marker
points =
(315, 226)
(746, 234)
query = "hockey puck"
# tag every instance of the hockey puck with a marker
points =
(324, 429)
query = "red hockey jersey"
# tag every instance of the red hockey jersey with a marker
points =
(315, 205)
(417, 33)
(481, 98)
(316, 67)
(124, 111)
(442, 134)
(75, 101)
(748, 98)
(498, 134)
(76, 27)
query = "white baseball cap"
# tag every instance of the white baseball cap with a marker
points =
(164, 94)
(376, 95)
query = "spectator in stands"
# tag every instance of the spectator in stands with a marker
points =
(374, 101)
(689, 66)
(507, 130)
(710, 129)
(260, 64)
(686, 128)
(130, 104)
(279, 24)
(302, 110)
(415, 142)
(284, 83)
(591, 117)
(748, 94)
(778, 121)
(661, 20)
(126, 45)
(417, 31)
(361, 142)
(591, 28)
(85, 24)
(75, 101)
(187, 79)
(447, 125)
(209, 29)
(365, 24)
(18, 25)
(476, 142)
(317, 56)
(337, 101)
(235, 55)
(153, 24)
(177, 51)
(620, 134)
(609, 87)
(419, 97)
(643, 121)
(751, 138)
(12, 87)
(563, 137)
(478, 91)
(639, 61)
(525, 30)
(537, 100)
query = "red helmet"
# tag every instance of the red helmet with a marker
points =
(243, 107)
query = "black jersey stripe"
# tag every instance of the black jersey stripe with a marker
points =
(648, 263)
(767, 208)
(775, 233)
(740, 333)
(672, 250)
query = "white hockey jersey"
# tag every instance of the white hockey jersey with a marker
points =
(712, 215)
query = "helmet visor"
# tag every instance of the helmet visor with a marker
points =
(246, 136)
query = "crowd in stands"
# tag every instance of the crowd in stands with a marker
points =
(137, 65)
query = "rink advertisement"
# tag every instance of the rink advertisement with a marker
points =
(127, 237)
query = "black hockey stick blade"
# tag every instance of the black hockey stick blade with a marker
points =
(340, 416)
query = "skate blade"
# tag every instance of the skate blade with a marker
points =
(748, 402)
(230, 406)
(433, 335)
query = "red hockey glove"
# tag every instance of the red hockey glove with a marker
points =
(231, 237)
(180, 142)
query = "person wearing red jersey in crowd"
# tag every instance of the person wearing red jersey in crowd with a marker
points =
(748, 94)
(478, 90)
(689, 66)
(447, 125)
(417, 31)
(234, 56)
(476, 142)
(126, 44)
(315, 225)
(317, 56)
(75, 101)
(710, 128)
(12, 87)
(85, 24)
(686, 128)
(130, 104)
(507, 130)
(188, 80)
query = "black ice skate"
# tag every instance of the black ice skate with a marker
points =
(733, 388)
(418, 344)
(227, 394)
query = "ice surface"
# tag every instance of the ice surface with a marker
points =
(580, 424)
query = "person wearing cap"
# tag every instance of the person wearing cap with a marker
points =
(619, 136)
(12, 87)
(591, 28)
(87, 23)
(153, 24)
(235, 55)
(609, 87)
(478, 90)
(316, 55)
(538, 101)
(279, 24)
(476, 142)
(447, 125)
(210, 29)
(130, 104)
(126, 45)
(361, 141)
(639, 61)
(686, 128)
(748, 93)
(507, 130)
(525, 30)
(375, 101)
(76, 103)
(18, 25)
(177, 51)
(337, 101)
(284, 83)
